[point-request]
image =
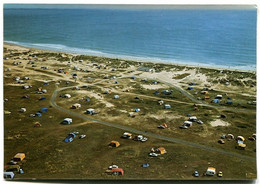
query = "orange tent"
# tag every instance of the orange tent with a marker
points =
(165, 125)
(114, 144)
(162, 150)
(19, 157)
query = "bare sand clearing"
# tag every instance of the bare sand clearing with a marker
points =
(219, 122)
(152, 86)
(97, 96)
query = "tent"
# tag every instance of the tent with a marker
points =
(43, 110)
(204, 92)
(42, 98)
(167, 106)
(229, 102)
(241, 146)
(219, 97)
(68, 139)
(160, 102)
(76, 106)
(240, 138)
(190, 88)
(156, 92)
(145, 165)
(215, 100)
(87, 99)
(165, 125)
(116, 96)
(23, 110)
(137, 110)
(161, 150)
(114, 144)
(193, 118)
(37, 124)
(38, 114)
(187, 123)
(67, 96)
(19, 157)
(66, 121)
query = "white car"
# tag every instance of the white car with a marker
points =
(183, 127)
(200, 122)
(82, 136)
(153, 154)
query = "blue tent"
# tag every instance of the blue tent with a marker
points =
(43, 98)
(137, 110)
(229, 98)
(45, 83)
(133, 77)
(68, 139)
(229, 102)
(216, 100)
(87, 99)
(43, 110)
(193, 83)
(190, 88)
(146, 165)
(38, 114)
(167, 92)
(116, 82)
(73, 135)
(156, 92)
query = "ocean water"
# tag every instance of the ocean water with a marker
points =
(217, 38)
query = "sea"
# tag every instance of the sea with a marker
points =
(223, 38)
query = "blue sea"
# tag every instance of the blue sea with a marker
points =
(214, 37)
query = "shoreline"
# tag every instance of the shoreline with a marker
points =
(134, 60)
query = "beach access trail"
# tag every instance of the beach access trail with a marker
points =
(150, 134)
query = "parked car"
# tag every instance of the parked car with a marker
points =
(183, 127)
(196, 173)
(220, 174)
(82, 136)
(200, 122)
(153, 154)
(12, 162)
(161, 126)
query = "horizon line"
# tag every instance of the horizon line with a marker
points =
(129, 6)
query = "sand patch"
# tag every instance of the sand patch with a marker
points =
(219, 122)
(124, 111)
(163, 115)
(151, 86)
(90, 93)
(98, 96)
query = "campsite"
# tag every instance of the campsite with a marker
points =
(103, 98)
